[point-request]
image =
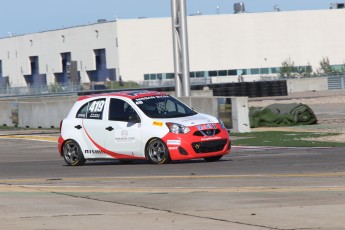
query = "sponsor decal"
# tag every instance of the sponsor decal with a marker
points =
(210, 138)
(137, 100)
(93, 151)
(172, 147)
(122, 137)
(95, 115)
(174, 142)
(158, 123)
(206, 126)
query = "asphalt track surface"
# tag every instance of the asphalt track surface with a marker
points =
(252, 188)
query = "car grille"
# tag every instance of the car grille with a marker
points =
(206, 132)
(209, 146)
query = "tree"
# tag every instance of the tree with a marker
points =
(325, 66)
(287, 69)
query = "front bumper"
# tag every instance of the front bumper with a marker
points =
(191, 146)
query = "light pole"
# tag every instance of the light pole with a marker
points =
(180, 46)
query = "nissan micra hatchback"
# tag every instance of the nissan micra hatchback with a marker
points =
(139, 125)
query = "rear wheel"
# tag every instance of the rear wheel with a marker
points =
(72, 153)
(157, 152)
(215, 158)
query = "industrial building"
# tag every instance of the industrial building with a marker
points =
(222, 47)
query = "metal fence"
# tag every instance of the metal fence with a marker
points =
(39, 90)
(334, 82)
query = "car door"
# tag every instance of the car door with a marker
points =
(123, 127)
(91, 127)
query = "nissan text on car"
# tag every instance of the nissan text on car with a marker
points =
(132, 125)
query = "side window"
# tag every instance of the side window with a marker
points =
(92, 110)
(170, 106)
(120, 110)
(180, 109)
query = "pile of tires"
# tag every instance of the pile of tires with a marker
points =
(251, 89)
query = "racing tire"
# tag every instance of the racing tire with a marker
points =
(72, 153)
(157, 152)
(211, 159)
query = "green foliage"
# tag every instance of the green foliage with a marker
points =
(55, 87)
(325, 66)
(126, 85)
(287, 69)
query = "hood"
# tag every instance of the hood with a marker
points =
(197, 119)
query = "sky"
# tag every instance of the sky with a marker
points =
(23, 17)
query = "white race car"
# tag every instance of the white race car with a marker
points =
(139, 125)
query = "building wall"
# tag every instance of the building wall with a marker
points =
(135, 47)
(236, 41)
(80, 41)
(145, 46)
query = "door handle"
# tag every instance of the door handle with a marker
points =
(109, 128)
(78, 127)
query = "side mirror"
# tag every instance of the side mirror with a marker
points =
(134, 118)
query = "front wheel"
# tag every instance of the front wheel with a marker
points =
(215, 158)
(157, 152)
(72, 153)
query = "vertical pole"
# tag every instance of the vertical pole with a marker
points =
(176, 47)
(180, 44)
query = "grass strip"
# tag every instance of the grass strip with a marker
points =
(283, 139)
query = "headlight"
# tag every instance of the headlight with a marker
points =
(221, 123)
(177, 128)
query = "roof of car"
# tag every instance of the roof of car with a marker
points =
(127, 94)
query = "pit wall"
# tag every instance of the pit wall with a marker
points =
(40, 112)
(307, 84)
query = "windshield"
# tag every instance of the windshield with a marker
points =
(163, 107)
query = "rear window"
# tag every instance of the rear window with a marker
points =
(92, 110)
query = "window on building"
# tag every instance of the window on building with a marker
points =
(153, 76)
(338, 68)
(0, 68)
(200, 74)
(213, 73)
(192, 74)
(243, 72)
(274, 70)
(232, 72)
(170, 76)
(264, 71)
(222, 73)
(254, 71)
(146, 77)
